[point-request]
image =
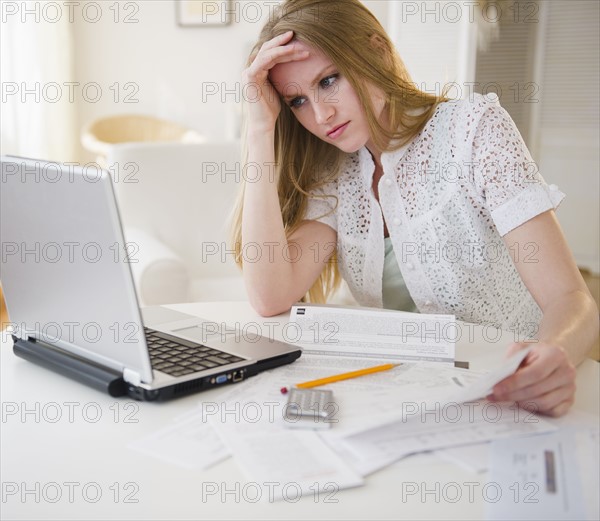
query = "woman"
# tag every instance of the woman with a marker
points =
(422, 203)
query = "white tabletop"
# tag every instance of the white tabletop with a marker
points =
(62, 444)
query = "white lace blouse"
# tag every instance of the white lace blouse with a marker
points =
(447, 197)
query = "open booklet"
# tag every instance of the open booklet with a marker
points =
(369, 332)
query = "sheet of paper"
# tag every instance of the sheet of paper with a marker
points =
(483, 386)
(544, 477)
(474, 458)
(436, 386)
(375, 333)
(436, 426)
(190, 442)
(401, 392)
(588, 454)
(288, 462)
(363, 467)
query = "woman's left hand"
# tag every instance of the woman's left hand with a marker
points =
(544, 382)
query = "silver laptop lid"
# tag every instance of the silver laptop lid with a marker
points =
(65, 268)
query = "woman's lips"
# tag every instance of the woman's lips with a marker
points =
(338, 131)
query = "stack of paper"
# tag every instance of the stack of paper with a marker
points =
(420, 405)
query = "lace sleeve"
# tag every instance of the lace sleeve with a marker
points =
(322, 205)
(505, 173)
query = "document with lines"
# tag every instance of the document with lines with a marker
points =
(367, 332)
(434, 427)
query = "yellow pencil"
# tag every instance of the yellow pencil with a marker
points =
(346, 376)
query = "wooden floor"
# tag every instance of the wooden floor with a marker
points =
(3, 313)
(593, 283)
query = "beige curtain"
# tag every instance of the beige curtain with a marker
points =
(36, 66)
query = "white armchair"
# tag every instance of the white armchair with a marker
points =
(175, 200)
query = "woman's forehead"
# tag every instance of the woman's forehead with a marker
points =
(299, 72)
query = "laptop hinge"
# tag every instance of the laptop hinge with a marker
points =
(21, 332)
(132, 377)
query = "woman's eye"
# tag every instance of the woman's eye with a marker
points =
(329, 81)
(325, 83)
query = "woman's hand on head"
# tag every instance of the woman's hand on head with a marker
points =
(544, 382)
(261, 96)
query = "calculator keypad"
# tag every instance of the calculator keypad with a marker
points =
(310, 402)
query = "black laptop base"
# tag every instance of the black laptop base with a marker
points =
(71, 366)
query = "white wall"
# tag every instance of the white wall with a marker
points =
(428, 38)
(568, 120)
(170, 65)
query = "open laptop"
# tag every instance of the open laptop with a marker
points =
(72, 303)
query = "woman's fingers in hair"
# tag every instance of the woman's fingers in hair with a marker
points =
(278, 40)
(266, 60)
(273, 43)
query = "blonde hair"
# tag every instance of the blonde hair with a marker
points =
(350, 35)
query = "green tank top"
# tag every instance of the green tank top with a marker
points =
(395, 292)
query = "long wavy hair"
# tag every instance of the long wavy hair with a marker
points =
(354, 40)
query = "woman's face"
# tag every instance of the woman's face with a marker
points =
(324, 101)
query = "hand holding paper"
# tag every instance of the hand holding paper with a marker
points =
(483, 387)
(545, 383)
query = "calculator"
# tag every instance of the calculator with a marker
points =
(310, 409)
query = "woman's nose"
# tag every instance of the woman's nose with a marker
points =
(324, 110)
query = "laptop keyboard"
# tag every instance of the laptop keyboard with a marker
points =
(178, 357)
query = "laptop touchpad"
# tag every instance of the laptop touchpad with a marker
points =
(197, 334)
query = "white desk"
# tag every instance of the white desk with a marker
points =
(84, 451)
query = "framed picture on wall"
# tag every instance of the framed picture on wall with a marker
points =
(202, 13)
